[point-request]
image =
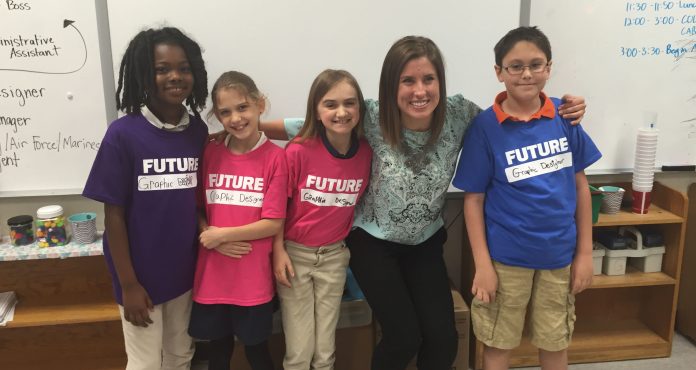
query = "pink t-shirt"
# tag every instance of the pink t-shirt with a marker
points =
(324, 191)
(237, 190)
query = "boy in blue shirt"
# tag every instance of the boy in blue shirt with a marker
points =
(527, 207)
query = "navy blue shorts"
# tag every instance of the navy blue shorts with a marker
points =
(251, 325)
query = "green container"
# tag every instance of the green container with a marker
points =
(596, 203)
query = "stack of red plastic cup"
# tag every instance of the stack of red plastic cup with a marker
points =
(644, 169)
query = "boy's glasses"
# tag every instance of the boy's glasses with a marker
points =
(518, 69)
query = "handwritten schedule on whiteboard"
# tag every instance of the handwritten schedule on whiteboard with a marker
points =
(52, 97)
(635, 62)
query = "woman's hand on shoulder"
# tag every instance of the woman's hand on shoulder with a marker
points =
(573, 108)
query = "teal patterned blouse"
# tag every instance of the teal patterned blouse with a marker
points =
(404, 200)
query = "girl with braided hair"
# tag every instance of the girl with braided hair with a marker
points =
(145, 174)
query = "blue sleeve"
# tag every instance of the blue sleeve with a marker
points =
(585, 151)
(475, 168)
(293, 126)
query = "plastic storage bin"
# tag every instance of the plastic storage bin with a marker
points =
(598, 253)
(50, 227)
(638, 256)
(21, 230)
(645, 259)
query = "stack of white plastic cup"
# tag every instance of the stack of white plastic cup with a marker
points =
(644, 168)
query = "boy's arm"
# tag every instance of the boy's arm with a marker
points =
(282, 265)
(213, 237)
(136, 301)
(582, 267)
(485, 279)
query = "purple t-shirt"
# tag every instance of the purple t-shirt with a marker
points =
(151, 173)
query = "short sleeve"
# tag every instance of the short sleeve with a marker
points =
(291, 158)
(110, 178)
(275, 199)
(585, 152)
(475, 167)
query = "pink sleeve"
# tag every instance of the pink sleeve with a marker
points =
(276, 198)
(291, 158)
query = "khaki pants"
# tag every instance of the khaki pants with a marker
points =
(164, 344)
(311, 307)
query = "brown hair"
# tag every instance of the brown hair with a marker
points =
(402, 52)
(238, 81)
(324, 82)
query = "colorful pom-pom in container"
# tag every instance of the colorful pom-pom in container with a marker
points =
(50, 227)
(21, 230)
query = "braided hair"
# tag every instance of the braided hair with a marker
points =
(136, 75)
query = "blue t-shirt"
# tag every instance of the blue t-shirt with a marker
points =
(151, 173)
(527, 172)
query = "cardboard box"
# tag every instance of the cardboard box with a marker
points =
(462, 321)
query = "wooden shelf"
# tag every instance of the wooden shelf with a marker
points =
(621, 317)
(655, 215)
(69, 310)
(603, 340)
(632, 278)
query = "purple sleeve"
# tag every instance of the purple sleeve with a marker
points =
(110, 179)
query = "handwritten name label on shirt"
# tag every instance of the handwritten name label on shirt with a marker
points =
(234, 197)
(539, 167)
(322, 199)
(167, 182)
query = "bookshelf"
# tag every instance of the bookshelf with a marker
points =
(66, 316)
(622, 317)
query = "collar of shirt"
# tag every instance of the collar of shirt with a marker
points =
(150, 117)
(547, 109)
(354, 144)
(261, 141)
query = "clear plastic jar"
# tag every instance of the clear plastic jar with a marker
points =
(21, 230)
(50, 227)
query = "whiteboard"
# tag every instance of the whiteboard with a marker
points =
(283, 45)
(53, 113)
(631, 60)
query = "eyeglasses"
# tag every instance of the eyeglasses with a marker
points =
(518, 69)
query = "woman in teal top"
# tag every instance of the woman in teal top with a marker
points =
(396, 245)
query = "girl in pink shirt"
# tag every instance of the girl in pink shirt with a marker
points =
(243, 196)
(328, 171)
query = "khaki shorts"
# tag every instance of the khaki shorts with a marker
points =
(499, 324)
